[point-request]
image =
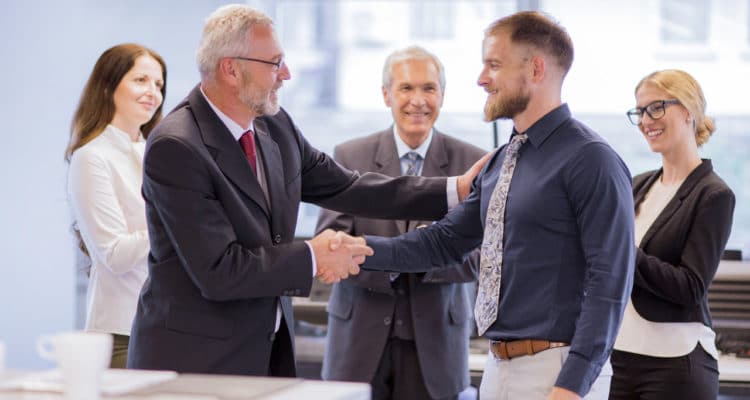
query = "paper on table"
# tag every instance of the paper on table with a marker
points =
(114, 381)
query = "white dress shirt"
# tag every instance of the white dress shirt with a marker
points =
(451, 183)
(104, 192)
(660, 339)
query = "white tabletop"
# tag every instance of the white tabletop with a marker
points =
(216, 387)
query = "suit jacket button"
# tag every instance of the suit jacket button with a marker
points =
(272, 336)
(277, 239)
(387, 320)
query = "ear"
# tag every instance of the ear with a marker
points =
(386, 97)
(538, 68)
(228, 71)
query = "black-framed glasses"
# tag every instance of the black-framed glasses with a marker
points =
(276, 64)
(655, 110)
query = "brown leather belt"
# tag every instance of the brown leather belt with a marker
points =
(526, 347)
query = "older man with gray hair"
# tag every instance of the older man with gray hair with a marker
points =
(224, 174)
(406, 334)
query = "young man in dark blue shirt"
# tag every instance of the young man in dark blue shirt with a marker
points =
(553, 214)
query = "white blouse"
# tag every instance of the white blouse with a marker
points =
(104, 191)
(660, 339)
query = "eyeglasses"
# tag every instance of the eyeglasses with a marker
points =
(655, 110)
(276, 65)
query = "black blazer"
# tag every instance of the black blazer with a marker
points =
(679, 254)
(222, 256)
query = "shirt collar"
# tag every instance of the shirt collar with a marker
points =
(121, 138)
(543, 128)
(234, 128)
(402, 148)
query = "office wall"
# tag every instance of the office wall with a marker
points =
(48, 49)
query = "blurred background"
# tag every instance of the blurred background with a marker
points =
(335, 51)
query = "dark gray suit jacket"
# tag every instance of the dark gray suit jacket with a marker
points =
(361, 307)
(221, 256)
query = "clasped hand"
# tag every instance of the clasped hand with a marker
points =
(338, 255)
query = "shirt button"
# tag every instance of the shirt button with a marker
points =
(277, 239)
(387, 320)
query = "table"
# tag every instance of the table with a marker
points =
(222, 387)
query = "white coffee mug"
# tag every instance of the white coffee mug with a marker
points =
(81, 357)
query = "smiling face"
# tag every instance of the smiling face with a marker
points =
(138, 95)
(260, 81)
(669, 133)
(503, 77)
(415, 98)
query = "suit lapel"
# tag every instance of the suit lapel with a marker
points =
(272, 163)
(674, 204)
(225, 150)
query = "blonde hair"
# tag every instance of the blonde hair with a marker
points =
(684, 88)
(225, 35)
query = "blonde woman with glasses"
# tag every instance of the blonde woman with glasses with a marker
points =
(665, 348)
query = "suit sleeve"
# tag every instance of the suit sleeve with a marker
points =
(179, 188)
(329, 185)
(687, 282)
(440, 245)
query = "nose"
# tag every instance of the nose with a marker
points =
(152, 89)
(483, 79)
(418, 99)
(642, 118)
(284, 73)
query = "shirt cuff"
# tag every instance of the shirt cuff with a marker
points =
(312, 257)
(577, 374)
(451, 188)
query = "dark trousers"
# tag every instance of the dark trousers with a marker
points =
(399, 376)
(694, 376)
(282, 356)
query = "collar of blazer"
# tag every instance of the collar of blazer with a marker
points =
(387, 158)
(226, 152)
(641, 187)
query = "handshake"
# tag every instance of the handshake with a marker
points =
(338, 255)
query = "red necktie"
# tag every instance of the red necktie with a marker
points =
(248, 146)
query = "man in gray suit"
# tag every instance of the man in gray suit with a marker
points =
(406, 334)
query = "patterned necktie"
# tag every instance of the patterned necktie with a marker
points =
(413, 162)
(491, 260)
(248, 146)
